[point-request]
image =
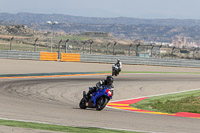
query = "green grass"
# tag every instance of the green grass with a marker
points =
(59, 128)
(189, 104)
(172, 103)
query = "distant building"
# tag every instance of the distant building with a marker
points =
(179, 41)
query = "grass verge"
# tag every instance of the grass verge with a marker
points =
(172, 103)
(59, 128)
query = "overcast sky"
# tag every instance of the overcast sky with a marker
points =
(182, 9)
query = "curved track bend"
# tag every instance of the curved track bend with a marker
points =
(55, 100)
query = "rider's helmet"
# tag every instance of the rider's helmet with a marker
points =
(109, 80)
(118, 60)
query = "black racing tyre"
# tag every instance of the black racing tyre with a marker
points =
(113, 73)
(101, 103)
(82, 103)
(116, 73)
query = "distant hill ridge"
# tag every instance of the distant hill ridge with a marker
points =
(31, 18)
(161, 30)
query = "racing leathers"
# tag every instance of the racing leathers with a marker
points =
(119, 65)
(101, 85)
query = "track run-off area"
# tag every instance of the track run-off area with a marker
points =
(55, 99)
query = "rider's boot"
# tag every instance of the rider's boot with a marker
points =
(87, 98)
(90, 92)
(88, 95)
(119, 70)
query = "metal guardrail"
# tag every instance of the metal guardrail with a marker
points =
(109, 59)
(20, 55)
(140, 61)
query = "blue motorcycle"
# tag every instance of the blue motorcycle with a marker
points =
(98, 100)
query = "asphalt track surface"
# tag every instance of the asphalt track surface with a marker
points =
(55, 100)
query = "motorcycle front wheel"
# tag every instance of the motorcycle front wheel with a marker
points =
(101, 103)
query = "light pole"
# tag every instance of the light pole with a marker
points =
(129, 50)
(159, 50)
(137, 46)
(173, 48)
(35, 48)
(114, 48)
(84, 47)
(194, 52)
(11, 43)
(152, 46)
(59, 49)
(91, 47)
(66, 45)
(107, 48)
(52, 24)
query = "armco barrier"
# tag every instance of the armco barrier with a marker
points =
(70, 57)
(20, 55)
(48, 56)
(100, 58)
(140, 60)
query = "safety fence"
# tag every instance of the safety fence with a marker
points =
(99, 58)
(20, 55)
(140, 61)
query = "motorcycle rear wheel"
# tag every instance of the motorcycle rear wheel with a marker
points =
(101, 103)
(82, 103)
(113, 72)
(116, 73)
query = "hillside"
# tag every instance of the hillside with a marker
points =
(16, 30)
(31, 18)
(125, 28)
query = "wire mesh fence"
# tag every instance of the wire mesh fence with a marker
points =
(65, 45)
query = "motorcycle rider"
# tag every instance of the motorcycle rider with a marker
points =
(119, 65)
(100, 85)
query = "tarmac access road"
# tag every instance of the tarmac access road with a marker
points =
(55, 100)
